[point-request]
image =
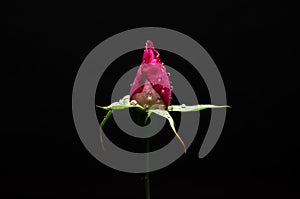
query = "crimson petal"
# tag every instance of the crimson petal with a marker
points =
(151, 86)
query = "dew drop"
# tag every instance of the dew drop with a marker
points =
(133, 102)
(159, 79)
(130, 84)
(169, 74)
(158, 100)
(171, 87)
(146, 106)
(183, 105)
(161, 106)
(162, 91)
(149, 97)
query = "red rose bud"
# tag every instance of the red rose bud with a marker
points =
(151, 86)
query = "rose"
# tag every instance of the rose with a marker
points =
(151, 86)
(151, 93)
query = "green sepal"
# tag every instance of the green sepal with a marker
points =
(122, 104)
(185, 108)
(165, 114)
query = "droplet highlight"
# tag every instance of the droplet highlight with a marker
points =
(158, 100)
(133, 102)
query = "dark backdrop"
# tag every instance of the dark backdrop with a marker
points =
(254, 46)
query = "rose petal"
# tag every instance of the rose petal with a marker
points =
(151, 86)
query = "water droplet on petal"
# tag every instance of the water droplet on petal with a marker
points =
(183, 105)
(149, 97)
(159, 79)
(146, 106)
(162, 91)
(158, 100)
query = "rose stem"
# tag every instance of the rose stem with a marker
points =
(147, 182)
(147, 179)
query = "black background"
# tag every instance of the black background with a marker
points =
(254, 46)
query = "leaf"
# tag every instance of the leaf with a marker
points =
(184, 108)
(166, 115)
(122, 104)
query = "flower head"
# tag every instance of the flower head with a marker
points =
(151, 86)
(151, 93)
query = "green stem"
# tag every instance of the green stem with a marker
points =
(147, 179)
(147, 186)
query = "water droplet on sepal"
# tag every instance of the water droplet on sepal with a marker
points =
(133, 102)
